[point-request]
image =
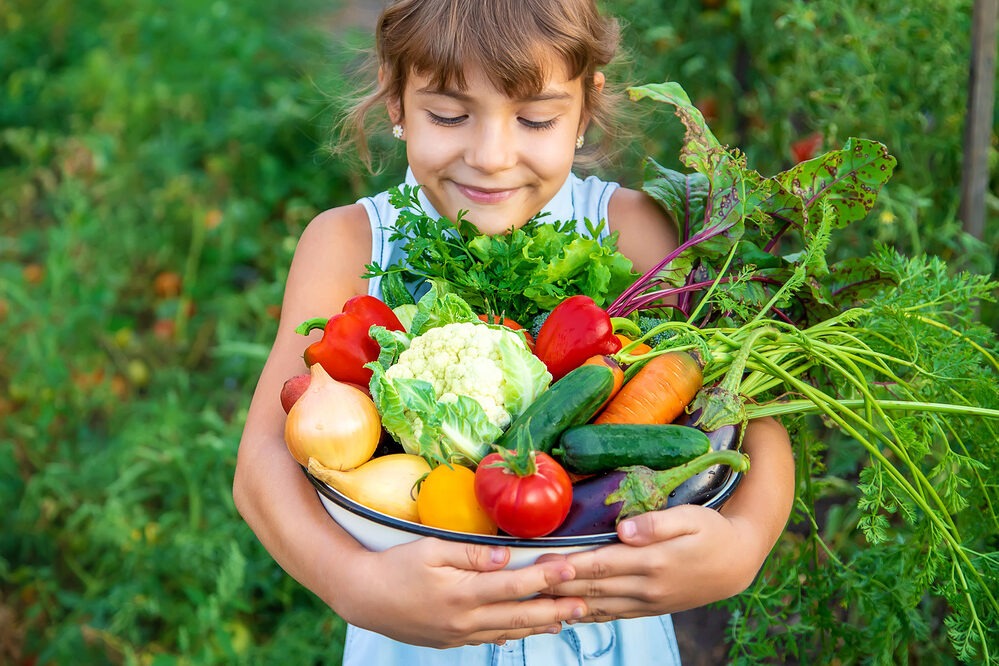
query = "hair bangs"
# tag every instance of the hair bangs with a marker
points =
(517, 51)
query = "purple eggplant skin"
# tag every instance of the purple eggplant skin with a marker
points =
(702, 487)
(588, 514)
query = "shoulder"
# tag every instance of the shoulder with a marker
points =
(343, 228)
(646, 232)
(329, 260)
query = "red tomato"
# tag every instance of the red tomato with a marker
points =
(512, 325)
(524, 506)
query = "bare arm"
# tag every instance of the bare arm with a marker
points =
(689, 556)
(474, 601)
(686, 556)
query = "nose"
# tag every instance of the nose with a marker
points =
(492, 148)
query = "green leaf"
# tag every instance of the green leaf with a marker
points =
(848, 179)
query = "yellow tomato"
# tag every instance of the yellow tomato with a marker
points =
(447, 501)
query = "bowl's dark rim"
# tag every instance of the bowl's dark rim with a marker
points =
(481, 539)
(345, 502)
(719, 498)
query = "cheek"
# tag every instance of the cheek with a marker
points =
(433, 148)
(551, 154)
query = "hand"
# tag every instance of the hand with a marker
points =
(688, 556)
(668, 561)
(445, 594)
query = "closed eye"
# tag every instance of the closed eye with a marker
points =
(445, 121)
(538, 124)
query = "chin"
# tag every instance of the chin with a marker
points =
(495, 228)
(493, 222)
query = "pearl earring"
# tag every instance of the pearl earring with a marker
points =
(580, 141)
(397, 131)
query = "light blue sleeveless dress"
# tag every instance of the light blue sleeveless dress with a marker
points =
(637, 642)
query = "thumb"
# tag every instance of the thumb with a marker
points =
(655, 526)
(485, 558)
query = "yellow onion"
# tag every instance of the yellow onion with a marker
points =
(333, 422)
(386, 483)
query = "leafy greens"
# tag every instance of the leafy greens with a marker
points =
(881, 373)
(519, 274)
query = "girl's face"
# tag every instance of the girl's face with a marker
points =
(478, 150)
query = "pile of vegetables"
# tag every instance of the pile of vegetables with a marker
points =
(626, 390)
(456, 392)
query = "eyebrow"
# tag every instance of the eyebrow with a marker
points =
(543, 96)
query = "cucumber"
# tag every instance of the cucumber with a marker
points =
(394, 291)
(588, 449)
(571, 401)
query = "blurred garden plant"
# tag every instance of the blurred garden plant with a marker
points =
(156, 167)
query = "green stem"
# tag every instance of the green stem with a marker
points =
(972, 469)
(701, 304)
(310, 325)
(828, 406)
(626, 327)
(733, 378)
(853, 376)
(808, 407)
(644, 489)
(681, 326)
(984, 352)
(833, 359)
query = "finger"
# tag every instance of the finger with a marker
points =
(550, 557)
(515, 620)
(606, 615)
(595, 591)
(468, 556)
(605, 562)
(657, 526)
(530, 581)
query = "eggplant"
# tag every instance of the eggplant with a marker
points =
(588, 514)
(708, 486)
(598, 503)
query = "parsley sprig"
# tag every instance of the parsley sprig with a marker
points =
(519, 274)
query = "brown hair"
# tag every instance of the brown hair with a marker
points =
(516, 42)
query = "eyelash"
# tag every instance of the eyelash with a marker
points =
(536, 125)
(444, 121)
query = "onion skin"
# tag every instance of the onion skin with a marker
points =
(333, 422)
(386, 484)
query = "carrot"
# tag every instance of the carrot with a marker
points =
(615, 368)
(638, 349)
(658, 393)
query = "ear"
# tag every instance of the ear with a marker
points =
(598, 84)
(392, 104)
(599, 80)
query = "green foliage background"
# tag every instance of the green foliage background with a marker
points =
(157, 165)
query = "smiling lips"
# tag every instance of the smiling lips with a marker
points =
(485, 196)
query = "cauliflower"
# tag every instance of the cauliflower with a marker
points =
(477, 361)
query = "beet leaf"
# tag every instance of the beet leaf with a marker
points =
(733, 223)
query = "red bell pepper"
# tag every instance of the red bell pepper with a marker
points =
(346, 346)
(575, 330)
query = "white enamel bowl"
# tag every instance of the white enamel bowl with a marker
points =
(377, 531)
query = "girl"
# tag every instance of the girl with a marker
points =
(492, 99)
